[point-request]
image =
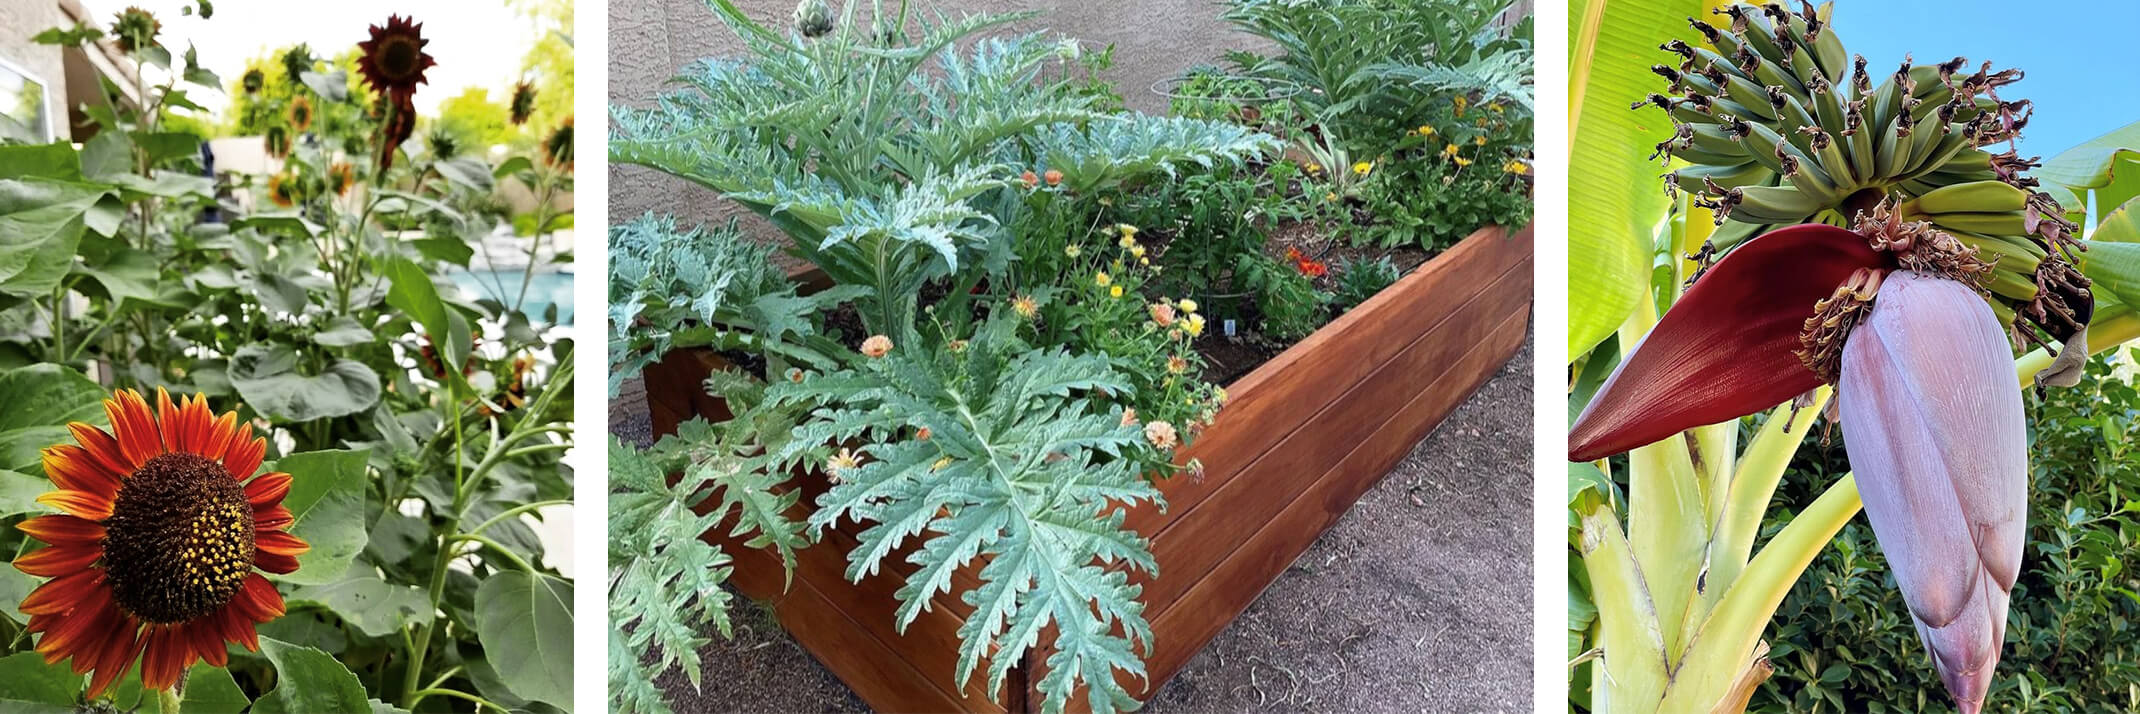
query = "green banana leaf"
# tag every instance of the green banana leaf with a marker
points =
(2108, 166)
(1614, 197)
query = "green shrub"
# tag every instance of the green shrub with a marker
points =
(1843, 640)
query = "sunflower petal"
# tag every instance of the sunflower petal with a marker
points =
(169, 426)
(268, 489)
(63, 530)
(58, 560)
(258, 599)
(272, 518)
(118, 657)
(1933, 424)
(74, 467)
(102, 448)
(163, 659)
(81, 504)
(61, 594)
(90, 613)
(243, 456)
(1726, 349)
(207, 641)
(280, 543)
(236, 628)
(217, 438)
(276, 563)
(134, 427)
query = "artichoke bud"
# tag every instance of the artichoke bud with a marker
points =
(813, 18)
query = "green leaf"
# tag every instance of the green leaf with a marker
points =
(56, 161)
(448, 249)
(467, 173)
(376, 607)
(511, 166)
(2108, 164)
(29, 686)
(211, 690)
(284, 223)
(332, 86)
(41, 399)
(2114, 267)
(525, 624)
(413, 292)
(14, 586)
(1616, 188)
(327, 498)
(342, 331)
(268, 377)
(19, 492)
(131, 276)
(308, 680)
(41, 222)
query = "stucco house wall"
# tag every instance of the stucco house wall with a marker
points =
(19, 21)
(649, 40)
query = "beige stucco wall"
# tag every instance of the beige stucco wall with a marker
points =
(650, 39)
(19, 21)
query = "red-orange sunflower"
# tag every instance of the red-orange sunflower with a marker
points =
(153, 556)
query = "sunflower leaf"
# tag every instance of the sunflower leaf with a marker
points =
(309, 681)
(327, 499)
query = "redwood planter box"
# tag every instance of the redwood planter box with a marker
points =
(1301, 438)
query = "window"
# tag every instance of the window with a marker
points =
(25, 106)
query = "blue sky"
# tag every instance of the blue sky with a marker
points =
(2079, 55)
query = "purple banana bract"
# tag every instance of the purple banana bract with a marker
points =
(1932, 419)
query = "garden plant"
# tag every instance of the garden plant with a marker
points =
(1823, 244)
(1003, 342)
(258, 454)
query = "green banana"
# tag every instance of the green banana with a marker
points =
(2012, 253)
(1977, 196)
(1775, 204)
(1997, 224)
(2011, 285)
(1692, 178)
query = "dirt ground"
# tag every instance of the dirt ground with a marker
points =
(1418, 600)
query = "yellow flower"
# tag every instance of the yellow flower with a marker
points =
(1425, 130)
(1194, 325)
(1218, 395)
(1362, 168)
(1073, 251)
(842, 462)
(1480, 140)
(1126, 241)
(1177, 365)
(1187, 305)
(1461, 161)
(1136, 250)
(1127, 230)
(1450, 150)
(1314, 168)
(1516, 167)
(1331, 197)
(1462, 102)
(1102, 280)
(1144, 261)
(1115, 291)
(940, 464)
(1496, 107)
(1025, 306)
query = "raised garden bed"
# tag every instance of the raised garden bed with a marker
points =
(1303, 436)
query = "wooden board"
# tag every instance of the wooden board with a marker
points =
(1303, 436)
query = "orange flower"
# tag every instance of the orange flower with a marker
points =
(1053, 177)
(877, 346)
(1162, 313)
(163, 523)
(1177, 365)
(1129, 417)
(282, 189)
(340, 177)
(1025, 306)
(1029, 179)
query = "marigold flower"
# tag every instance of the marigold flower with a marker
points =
(1330, 197)
(1361, 168)
(162, 524)
(1176, 364)
(1129, 417)
(1137, 250)
(1115, 291)
(1194, 325)
(922, 434)
(1025, 306)
(1029, 178)
(1073, 251)
(1516, 167)
(877, 346)
(1162, 314)
(1450, 150)
(1425, 130)
(1479, 140)
(1101, 279)
(1461, 161)
(1314, 168)
(1053, 177)
(1161, 434)
(1186, 305)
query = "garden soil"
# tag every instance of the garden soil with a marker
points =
(1419, 599)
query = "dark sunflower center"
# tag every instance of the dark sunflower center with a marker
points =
(398, 56)
(179, 542)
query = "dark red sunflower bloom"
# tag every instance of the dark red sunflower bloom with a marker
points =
(394, 61)
(163, 523)
(523, 105)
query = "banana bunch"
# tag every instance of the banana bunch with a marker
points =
(1778, 125)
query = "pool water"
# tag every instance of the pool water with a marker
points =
(544, 289)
